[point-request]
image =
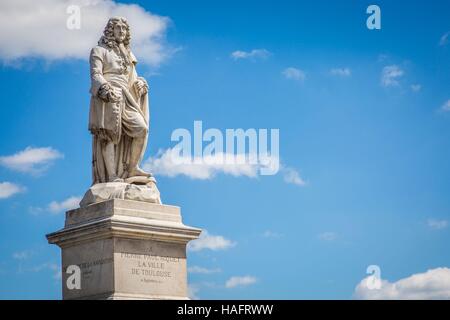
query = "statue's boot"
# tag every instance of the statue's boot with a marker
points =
(135, 157)
(138, 172)
(115, 179)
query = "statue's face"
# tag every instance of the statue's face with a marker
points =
(120, 32)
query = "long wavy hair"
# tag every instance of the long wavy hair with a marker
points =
(108, 38)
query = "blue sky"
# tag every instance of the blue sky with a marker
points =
(364, 121)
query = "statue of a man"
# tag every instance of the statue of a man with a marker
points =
(119, 112)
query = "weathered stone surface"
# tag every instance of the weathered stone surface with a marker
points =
(125, 250)
(126, 244)
(141, 180)
(122, 190)
(119, 108)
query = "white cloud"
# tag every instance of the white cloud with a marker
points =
(24, 258)
(290, 175)
(437, 224)
(211, 242)
(416, 87)
(22, 255)
(167, 163)
(68, 204)
(31, 160)
(271, 234)
(446, 106)
(201, 270)
(433, 284)
(328, 236)
(170, 164)
(46, 266)
(56, 207)
(240, 281)
(390, 75)
(35, 210)
(254, 54)
(342, 72)
(444, 39)
(8, 189)
(39, 29)
(294, 74)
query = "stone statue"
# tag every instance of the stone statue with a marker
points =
(121, 220)
(118, 119)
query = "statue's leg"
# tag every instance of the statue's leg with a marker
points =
(135, 127)
(136, 151)
(109, 158)
(138, 145)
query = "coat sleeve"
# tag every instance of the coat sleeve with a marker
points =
(96, 63)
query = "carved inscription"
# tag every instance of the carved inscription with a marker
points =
(86, 267)
(150, 268)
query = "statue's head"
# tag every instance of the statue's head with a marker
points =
(116, 31)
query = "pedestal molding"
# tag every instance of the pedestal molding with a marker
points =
(125, 250)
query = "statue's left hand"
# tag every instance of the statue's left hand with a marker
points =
(141, 87)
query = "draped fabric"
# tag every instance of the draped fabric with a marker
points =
(118, 122)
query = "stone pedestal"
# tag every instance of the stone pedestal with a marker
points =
(125, 250)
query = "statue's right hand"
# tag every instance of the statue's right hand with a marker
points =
(115, 95)
(103, 92)
(108, 93)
